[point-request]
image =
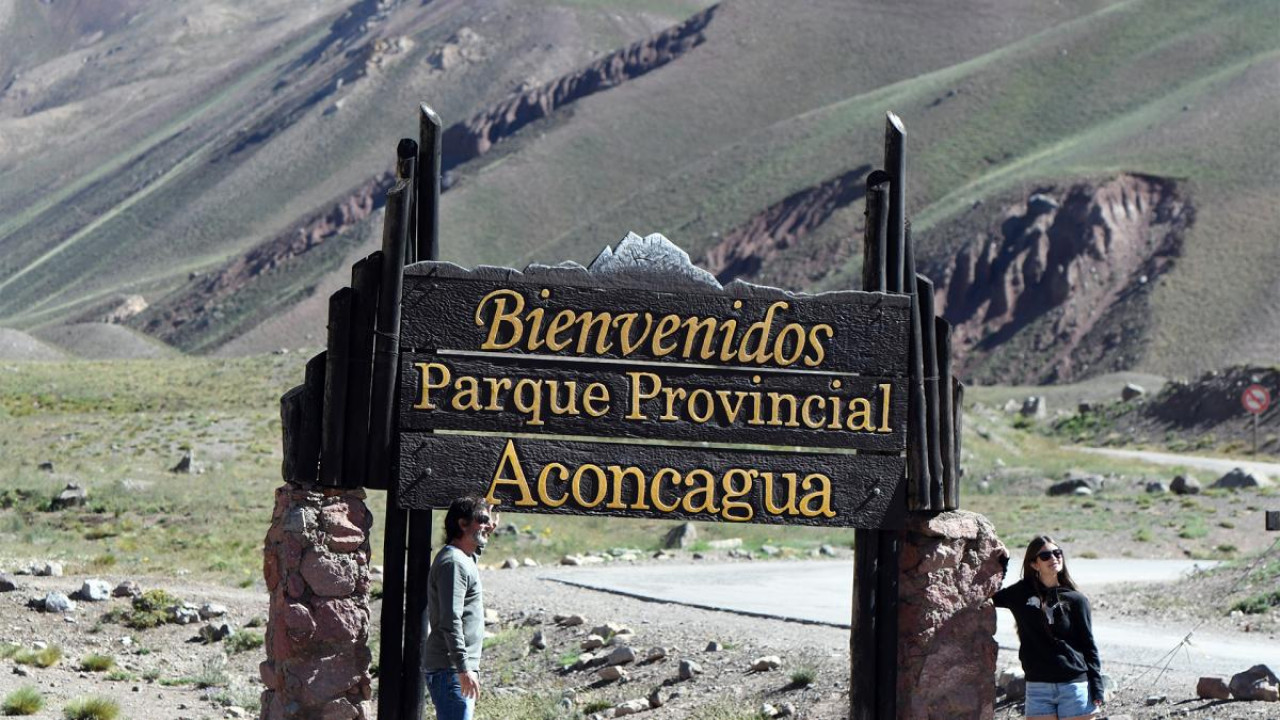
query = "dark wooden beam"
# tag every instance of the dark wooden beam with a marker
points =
(333, 429)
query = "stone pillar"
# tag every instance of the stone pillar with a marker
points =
(951, 564)
(316, 564)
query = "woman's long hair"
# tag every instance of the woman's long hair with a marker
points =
(1029, 573)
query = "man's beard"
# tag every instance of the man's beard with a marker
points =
(480, 538)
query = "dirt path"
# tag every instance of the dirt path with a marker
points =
(1222, 465)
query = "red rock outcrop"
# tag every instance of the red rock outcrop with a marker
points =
(762, 249)
(1058, 290)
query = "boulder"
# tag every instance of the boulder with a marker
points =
(127, 588)
(713, 646)
(1012, 682)
(8, 583)
(510, 564)
(1212, 687)
(655, 654)
(1185, 485)
(94, 590)
(56, 602)
(569, 620)
(216, 632)
(212, 610)
(1034, 407)
(609, 673)
(186, 464)
(1157, 488)
(1256, 683)
(688, 669)
(184, 614)
(1132, 391)
(681, 536)
(768, 662)
(630, 707)
(1240, 479)
(71, 496)
(621, 656)
(592, 642)
(1093, 483)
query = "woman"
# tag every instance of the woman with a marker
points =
(1059, 657)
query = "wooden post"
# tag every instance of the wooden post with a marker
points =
(428, 179)
(291, 427)
(921, 480)
(308, 469)
(895, 164)
(957, 405)
(862, 626)
(946, 413)
(875, 233)
(364, 307)
(933, 401)
(333, 431)
(381, 450)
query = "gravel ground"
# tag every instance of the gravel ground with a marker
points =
(514, 676)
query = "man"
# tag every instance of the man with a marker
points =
(455, 607)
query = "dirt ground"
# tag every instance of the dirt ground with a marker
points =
(157, 669)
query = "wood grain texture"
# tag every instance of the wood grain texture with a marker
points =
(435, 469)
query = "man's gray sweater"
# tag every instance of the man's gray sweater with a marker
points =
(455, 606)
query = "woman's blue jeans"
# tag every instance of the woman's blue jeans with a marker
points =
(446, 695)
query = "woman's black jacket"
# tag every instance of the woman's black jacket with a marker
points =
(1057, 646)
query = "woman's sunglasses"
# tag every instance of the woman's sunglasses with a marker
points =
(1046, 554)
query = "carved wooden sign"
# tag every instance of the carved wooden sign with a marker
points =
(641, 387)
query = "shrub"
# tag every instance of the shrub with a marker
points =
(803, 676)
(151, 609)
(244, 640)
(48, 657)
(93, 708)
(95, 662)
(25, 700)
(1258, 604)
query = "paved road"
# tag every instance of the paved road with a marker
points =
(1222, 465)
(821, 592)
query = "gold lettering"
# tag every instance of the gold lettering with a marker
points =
(563, 408)
(578, 496)
(819, 352)
(627, 321)
(731, 494)
(806, 411)
(780, 345)
(822, 495)
(707, 492)
(424, 375)
(596, 393)
(562, 321)
(603, 320)
(694, 326)
(761, 354)
(885, 390)
(496, 386)
(467, 395)
(654, 490)
(770, 504)
(543, 494)
(510, 463)
(731, 411)
(778, 399)
(637, 394)
(501, 318)
(619, 475)
(667, 327)
(671, 394)
(859, 415)
(707, 407)
(529, 403)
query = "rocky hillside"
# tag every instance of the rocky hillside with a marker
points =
(1057, 287)
(227, 163)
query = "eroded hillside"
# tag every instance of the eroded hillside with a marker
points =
(1057, 287)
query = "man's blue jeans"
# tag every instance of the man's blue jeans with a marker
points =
(446, 695)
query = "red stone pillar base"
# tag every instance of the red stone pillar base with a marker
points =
(951, 564)
(316, 564)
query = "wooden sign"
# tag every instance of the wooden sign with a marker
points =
(573, 390)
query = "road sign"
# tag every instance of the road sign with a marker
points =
(1256, 399)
